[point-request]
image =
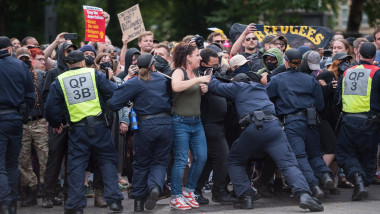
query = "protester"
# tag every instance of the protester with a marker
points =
(145, 42)
(341, 45)
(248, 40)
(188, 130)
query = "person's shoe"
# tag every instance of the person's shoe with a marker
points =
(327, 182)
(123, 182)
(68, 211)
(278, 185)
(308, 202)
(152, 198)
(189, 198)
(244, 201)
(199, 197)
(166, 192)
(207, 187)
(47, 202)
(40, 191)
(262, 188)
(222, 197)
(255, 195)
(179, 204)
(139, 206)
(360, 192)
(122, 188)
(317, 192)
(30, 197)
(98, 200)
(116, 206)
(376, 179)
(88, 192)
(57, 201)
(334, 191)
(5, 209)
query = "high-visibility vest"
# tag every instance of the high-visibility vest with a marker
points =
(81, 94)
(356, 88)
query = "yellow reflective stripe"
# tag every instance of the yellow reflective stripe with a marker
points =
(83, 106)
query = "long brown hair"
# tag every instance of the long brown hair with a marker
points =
(180, 53)
(144, 73)
(334, 68)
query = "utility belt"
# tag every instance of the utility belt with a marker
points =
(372, 118)
(151, 116)
(90, 123)
(258, 117)
(22, 110)
(310, 114)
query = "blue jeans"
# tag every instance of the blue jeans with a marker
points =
(188, 133)
(10, 146)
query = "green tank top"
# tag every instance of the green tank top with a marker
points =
(188, 103)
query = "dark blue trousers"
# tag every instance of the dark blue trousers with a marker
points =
(10, 146)
(152, 145)
(80, 147)
(357, 148)
(255, 143)
(305, 143)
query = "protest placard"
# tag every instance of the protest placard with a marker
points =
(131, 22)
(95, 30)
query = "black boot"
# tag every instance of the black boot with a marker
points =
(317, 192)
(67, 211)
(308, 202)
(152, 198)
(30, 197)
(5, 209)
(327, 182)
(244, 201)
(139, 205)
(360, 192)
(222, 197)
(116, 206)
(199, 197)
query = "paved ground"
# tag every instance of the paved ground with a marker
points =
(340, 204)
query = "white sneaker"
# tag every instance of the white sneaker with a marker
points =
(189, 198)
(179, 204)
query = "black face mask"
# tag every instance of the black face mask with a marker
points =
(343, 66)
(271, 66)
(242, 69)
(89, 60)
(105, 66)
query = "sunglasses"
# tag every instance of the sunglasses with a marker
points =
(219, 41)
(250, 38)
(31, 47)
(111, 51)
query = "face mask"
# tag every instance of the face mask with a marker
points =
(342, 67)
(242, 69)
(89, 60)
(105, 65)
(271, 66)
(28, 63)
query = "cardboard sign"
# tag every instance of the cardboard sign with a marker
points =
(296, 35)
(95, 30)
(131, 22)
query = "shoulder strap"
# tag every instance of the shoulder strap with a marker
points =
(185, 77)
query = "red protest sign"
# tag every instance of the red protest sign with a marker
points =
(95, 30)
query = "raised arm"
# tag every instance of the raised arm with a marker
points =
(49, 63)
(237, 45)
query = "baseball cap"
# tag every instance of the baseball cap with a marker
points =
(313, 60)
(367, 50)
(242, 77)
(293, 56)
(145, 60)
(66, 45)
(271, 38)
(328, 61)
(74, 57)
(216, 48)
(22, 52)
(341, 55)
(238, 60)
(5, 42)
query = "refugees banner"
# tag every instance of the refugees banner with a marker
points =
(296, 35)
(95, 30)
(131, 22)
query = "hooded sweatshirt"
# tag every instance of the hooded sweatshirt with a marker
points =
(277, 53)
(128, 61)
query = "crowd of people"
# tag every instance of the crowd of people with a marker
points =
(261, 116)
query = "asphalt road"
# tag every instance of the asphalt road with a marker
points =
(335, 204)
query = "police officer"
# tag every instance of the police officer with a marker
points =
(17, 94)
(152, 143)
(262, 135)
(359, 133)
(81, 93)
(297, 96)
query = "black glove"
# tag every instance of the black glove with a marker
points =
(162, 65)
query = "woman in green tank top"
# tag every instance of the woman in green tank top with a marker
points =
(188, 130)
